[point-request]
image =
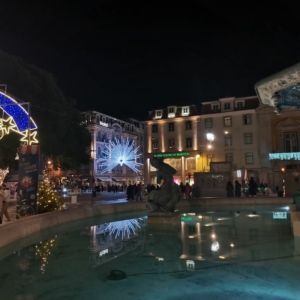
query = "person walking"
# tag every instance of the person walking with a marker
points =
(229, 189)
(5, 200)
(187, 191)
(237, 189)
(252, 187)
(182, 190)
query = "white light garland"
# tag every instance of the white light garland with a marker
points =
(122, 227)
(118, 153)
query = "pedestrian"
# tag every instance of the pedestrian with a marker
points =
(229, 189)
(5, 200)
(187, 191)
(182, 189)
(237, 189)
(252, 187)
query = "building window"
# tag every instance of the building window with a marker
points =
(189, 143)
(226, 105)
(171, 109)
(228, 157)
(208, 123)
(249, 158)
(227, 121)
(239, 105)
(228, 140)
(290, 141)
(190, 163)
(215, 107)
(209, 159)
(248, 138)
(192, 249)
(154, 144)
(172, 144)
(154, 128)
(185, 111)
(247, 119)
(171, 126)
(192, 229)
(158, 114)
(188, 125)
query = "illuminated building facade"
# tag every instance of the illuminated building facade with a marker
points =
(105, 129)
(233, 122)
(171, 133)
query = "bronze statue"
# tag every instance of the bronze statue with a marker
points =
(165, 198)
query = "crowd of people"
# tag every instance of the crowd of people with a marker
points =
(251, 189)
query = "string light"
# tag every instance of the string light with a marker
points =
(122, 227)
(3, 173)
(118, 153)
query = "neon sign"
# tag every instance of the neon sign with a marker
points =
(175, 154)
(103, 124)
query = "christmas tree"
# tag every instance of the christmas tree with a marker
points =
(48, 198)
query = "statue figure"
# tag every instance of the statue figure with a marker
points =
(165, 198)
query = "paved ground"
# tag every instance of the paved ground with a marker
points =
(101, 198)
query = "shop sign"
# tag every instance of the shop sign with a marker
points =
(174, 154)
(221, 167)
(103, 124)
(280, 215)
(186, 218)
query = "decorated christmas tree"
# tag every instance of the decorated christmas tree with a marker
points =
(48, 198)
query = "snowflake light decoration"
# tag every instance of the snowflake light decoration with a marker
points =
(120, 152)
(122, 227)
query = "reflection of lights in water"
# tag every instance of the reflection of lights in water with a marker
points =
(221, 257)
(122, 227)
(200, 217)
(252, 215)
(213, 236)
(215, 246)
(231, 245)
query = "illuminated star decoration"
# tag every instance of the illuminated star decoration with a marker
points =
(122, 227)
(18, 119)
(118, 153)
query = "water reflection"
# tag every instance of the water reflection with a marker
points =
(206, 244)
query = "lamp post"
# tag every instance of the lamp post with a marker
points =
(210, 137)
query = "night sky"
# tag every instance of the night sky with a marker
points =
(124, 58)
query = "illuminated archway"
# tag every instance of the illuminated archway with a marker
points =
(15, 118)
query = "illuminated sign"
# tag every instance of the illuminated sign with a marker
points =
(186, 218)
(103, 124)
(103, 252)
(280, 215)
(175, 154)
(285, 156)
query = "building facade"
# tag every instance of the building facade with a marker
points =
(105, 129)
(171, 133)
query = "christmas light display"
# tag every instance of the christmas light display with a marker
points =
(122, 227)
(118, 153)
(48, 198)
(3, 173)
(17, 121)
(42, 251)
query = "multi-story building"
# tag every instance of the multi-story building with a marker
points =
(228, 132)
(279, 148)
(104, 129)
(171, 133)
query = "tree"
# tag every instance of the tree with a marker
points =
(60, 133)
(48, 198)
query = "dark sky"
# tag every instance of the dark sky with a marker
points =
(124, 58)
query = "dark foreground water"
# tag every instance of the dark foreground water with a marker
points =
(240, 254)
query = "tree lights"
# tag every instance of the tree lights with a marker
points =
(118, 153)
(48, 199)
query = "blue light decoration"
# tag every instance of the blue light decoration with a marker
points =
(285, 156)
(17, 120)
(118, 153)
(123, 227)
(16, 111)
